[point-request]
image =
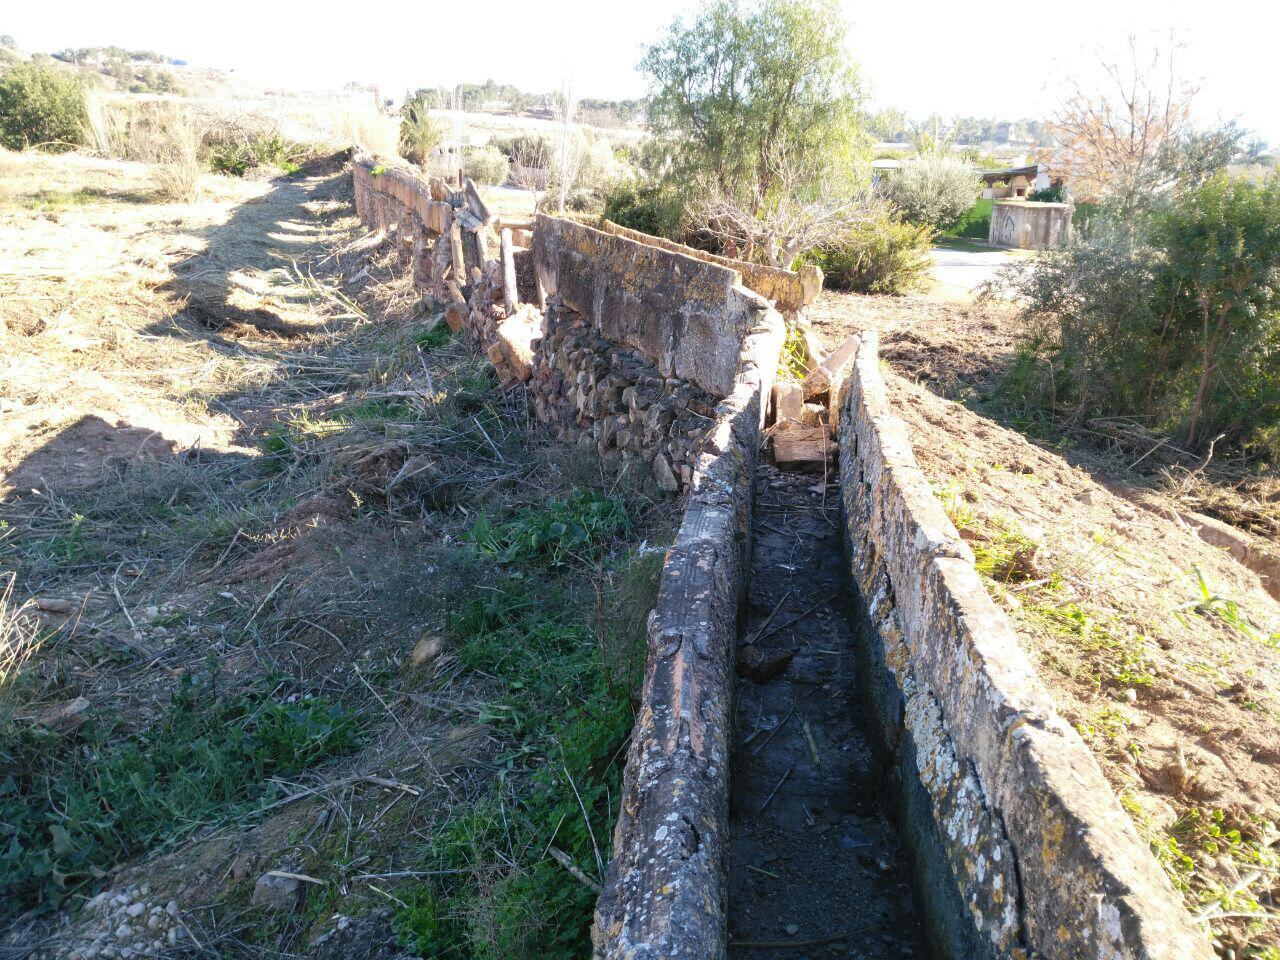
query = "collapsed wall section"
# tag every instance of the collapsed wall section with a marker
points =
(1021, 847)
(611, 399)
(637, 344)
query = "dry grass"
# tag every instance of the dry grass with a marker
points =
(236, 433)
(371, 130)
(19, 640)
(170, 140)
(108, 125)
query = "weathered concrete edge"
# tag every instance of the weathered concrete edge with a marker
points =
(664, 895)
(789, 290)
(1034, 839)
(687, 316)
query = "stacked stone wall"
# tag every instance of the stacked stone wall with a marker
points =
(612, 399)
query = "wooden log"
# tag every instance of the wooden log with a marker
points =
(804, 447)
(829, 372)
(515, 223)
(510, 295)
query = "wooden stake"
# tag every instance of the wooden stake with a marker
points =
(510, 295)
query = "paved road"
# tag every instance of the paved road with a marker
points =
(959, 272)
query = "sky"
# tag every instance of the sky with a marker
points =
(1005, 61)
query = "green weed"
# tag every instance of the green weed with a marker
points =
(1214, 606)
(66, 820)
(558, 656)
(434, 336)
(791, 360)
(1108, 726)
(54, 199)
(1126, 659)
(556, 533)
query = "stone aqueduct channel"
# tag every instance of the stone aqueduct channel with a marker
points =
(841, 749)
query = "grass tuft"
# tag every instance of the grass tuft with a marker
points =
(66, 822)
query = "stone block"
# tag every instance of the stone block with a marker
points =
(788, 401)
(516, 335)
(455, 315)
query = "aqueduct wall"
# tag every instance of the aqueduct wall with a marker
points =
(662, 358)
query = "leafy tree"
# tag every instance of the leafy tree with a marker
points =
(934, 189)
(749, 86)
(888, 125)
(8, 42)
(1176, 320)
(758, 107)
(1222, 281)
(41, 106)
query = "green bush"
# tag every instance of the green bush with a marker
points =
(41, 106)
(643, 206)
(1175, 321)
(885, 255)
(933, 189)
(486, 165)
(1047, 195)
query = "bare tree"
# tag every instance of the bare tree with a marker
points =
(569, 156)
(1110, 140)
(797, 214)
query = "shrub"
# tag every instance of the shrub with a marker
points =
(486, 165)
(1047, 195)
(419, 133)
(1177, 322)
(531, 157)
(884, 255)
(934, 190)
(166, 136)
(527, 149)
(645, 206)
(41, 106)
(241, 145)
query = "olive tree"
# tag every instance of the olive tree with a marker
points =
(934, 189)
(759, 108)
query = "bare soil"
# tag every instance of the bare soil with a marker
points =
(1162, 650)
(233, 443)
